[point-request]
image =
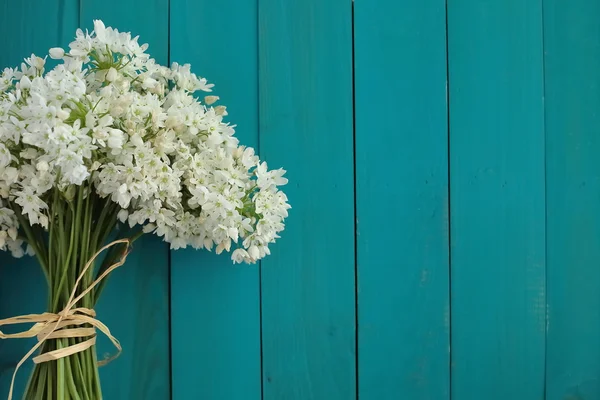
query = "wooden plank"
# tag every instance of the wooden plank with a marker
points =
(222, 359)
(23, 290)
(497, 199)
(30, 27)
(573, 191)
(135, 302)
(135, 305)
(402, 199)
(308, 301)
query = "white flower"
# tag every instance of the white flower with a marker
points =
(116, 138)
(100, 30)
(32, 206)
(5, 156)
(123, 215)
(3, 236)
(253, 252)
(76, 174)
(266, 179)
(239, 256)
(16, 248)
(42, 166)
(112, 120)
(36, 62)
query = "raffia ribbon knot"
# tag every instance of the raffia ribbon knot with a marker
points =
(67, 323)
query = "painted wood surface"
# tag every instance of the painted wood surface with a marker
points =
(497, 199)
(215, 305)
(402, 198)
(308, 288)
(572, 50)
(27, 27)
(469, 268)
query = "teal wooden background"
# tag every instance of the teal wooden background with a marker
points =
(444, 166)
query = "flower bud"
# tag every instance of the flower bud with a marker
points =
(237, 153)
(149, 228)
(210, 100)
(57, 53)
(122, 215)
(62, 114)
(254, 252)
(69, 194)
(42, 166)
(148, 83)
(111, 75)
(25, 82)
(221, 110)
(37, 62)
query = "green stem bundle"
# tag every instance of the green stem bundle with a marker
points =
(78, 228)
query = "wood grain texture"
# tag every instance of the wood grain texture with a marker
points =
(135, 303)
(402, 198)
(572, 87)
(497, 199)
(216, 305)
(308, 302)
(28, 27)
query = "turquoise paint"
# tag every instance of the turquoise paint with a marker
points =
(135, 308)
(497, 199)
(572, 61)
(215, 306)
(402, 199)
(524, 212)
(305, 86)
(14, 275)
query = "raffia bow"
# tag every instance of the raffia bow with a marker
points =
(52, 326)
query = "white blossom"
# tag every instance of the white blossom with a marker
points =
(111, 119)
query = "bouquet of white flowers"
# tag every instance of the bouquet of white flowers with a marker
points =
(111, 139)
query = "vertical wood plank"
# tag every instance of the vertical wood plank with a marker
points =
(212, 300)
(308, 301)
(136, 298)
(135, 305)
(571, 33)
(28, 27)
(497, 199)
(402, 199)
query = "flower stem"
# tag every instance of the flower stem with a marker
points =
(73, 229)
(60, 375)
(70, 381)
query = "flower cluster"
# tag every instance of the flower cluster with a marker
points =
(109, 118)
